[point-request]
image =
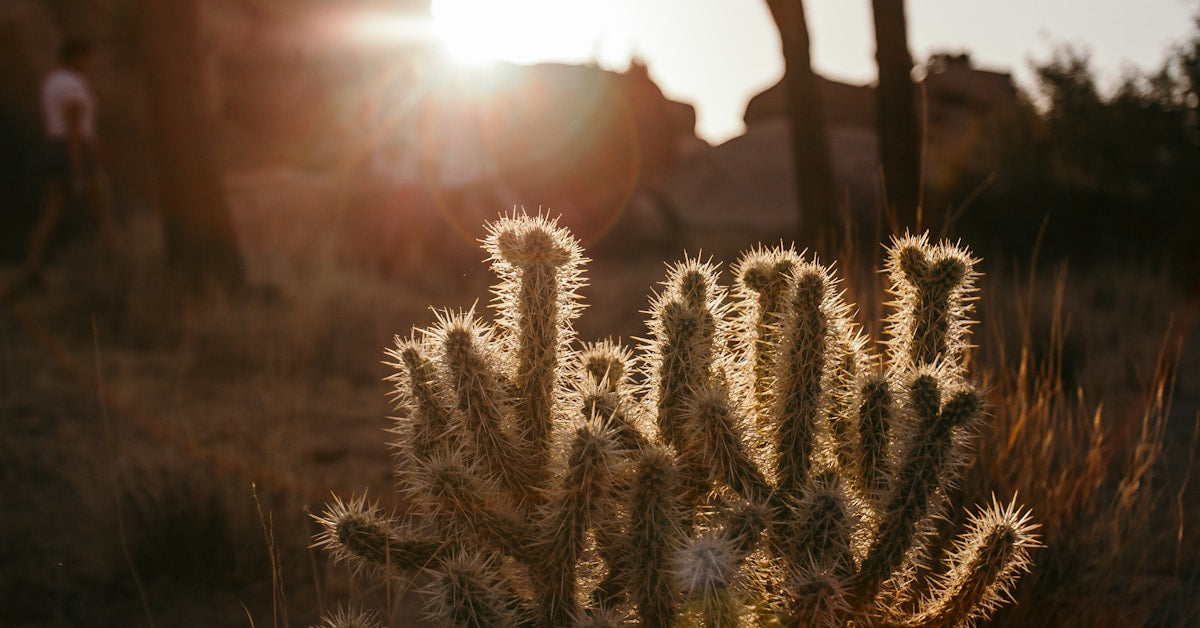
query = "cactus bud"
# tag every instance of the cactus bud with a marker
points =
(704, 570)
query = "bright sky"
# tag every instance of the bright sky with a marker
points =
(716, 54)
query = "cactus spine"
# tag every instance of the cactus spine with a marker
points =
(756, 463)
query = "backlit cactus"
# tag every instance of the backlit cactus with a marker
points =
(756, 463)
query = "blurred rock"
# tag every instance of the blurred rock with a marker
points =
(743, 191)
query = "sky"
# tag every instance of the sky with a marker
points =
(717, 54)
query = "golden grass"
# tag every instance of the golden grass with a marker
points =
(1081, 375)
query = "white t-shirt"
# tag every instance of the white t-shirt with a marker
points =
(62, 89)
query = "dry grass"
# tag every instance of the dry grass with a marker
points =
(1081, 376)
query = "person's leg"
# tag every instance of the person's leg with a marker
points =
(39, 238)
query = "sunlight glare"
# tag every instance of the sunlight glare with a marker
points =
(527, 31)
(376, 27)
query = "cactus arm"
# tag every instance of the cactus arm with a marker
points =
(425, 426)
(467, 505)
(655, 533)
(686, 326)
(593, 460)
(723, 443)
(875, 416)
(761, 282)
(482, 400)
(472, 590)
(932, 286)
(360, 534)
(984, 565)
(799, 370)
(539, 267)
(923, 471)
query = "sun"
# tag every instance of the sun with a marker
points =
(475, 32)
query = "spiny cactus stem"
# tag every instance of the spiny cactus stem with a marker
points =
(962, 409)
(386, 550)
(920, 475)
(719, 433)
(613, 546)
(933, 313)
(746, 526)
(351, 618)
(987, 560)
(654, 532)
(470, 591)
(874, 425)
(933, 284)
(687, 355)
(537, 357)
(766, 273)
(457, 493)
(606, 407)
(430, 417)
(819, 599)
(479, 395)
(586, 486)
(357, 531)
(606, 365)
(841, 405)
(799, 373)
(986, 566)
(694, 288)
(704, 570)
(823, 527)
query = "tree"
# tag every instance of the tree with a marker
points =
(198, 232)
(899, 131)
(812, 167)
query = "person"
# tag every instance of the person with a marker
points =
(71, 154)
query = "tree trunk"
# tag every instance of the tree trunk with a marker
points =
(812, 167)
(899, 130)
(198, 235)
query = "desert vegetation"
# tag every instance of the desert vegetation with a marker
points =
(181, 420)
(168, 453)
(758, 461)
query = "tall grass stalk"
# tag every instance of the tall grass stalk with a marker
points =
(1092, 472)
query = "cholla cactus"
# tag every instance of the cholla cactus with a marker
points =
(756, 465)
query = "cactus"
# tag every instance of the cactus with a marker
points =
(756, 464)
